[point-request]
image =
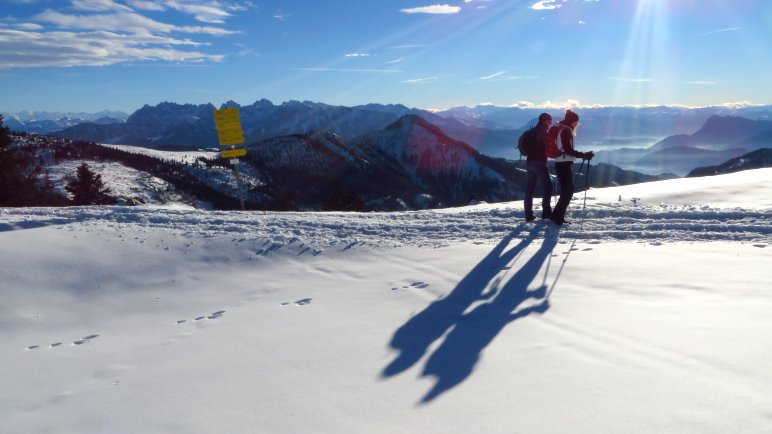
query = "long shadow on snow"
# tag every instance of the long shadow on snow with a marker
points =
(455, 359)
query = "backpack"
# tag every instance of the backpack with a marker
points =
(552, 142)
(528, 142)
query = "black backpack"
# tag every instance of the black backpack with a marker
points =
(528, 142)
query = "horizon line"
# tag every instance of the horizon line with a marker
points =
(524, 105)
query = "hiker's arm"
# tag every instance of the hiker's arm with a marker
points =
(568, 144)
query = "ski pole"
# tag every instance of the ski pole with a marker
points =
(586, 187)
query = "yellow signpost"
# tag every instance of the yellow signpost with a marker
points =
(228, 125)
(233, 153)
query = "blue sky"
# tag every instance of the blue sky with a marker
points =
(88, 55)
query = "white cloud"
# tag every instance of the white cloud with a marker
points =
(730, 29)
(314, 69)
(423, 80)
(122, 22)
(98, 6)
(19, 49)
(569, 103)
(208, 12)
(106, 32)
(280, 16)
(433, 9)
(488, 77)
(400, 47)
(358, 55)
(396, 60)
(545, 5)
(29, 26)
(146, 5)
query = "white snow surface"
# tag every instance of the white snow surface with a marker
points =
(653, 316)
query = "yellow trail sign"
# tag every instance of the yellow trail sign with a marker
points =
(226, 115)
(233, 153)
(228, 126)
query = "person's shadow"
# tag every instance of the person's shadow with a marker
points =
(454, 360)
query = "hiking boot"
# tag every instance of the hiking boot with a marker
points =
(530, 218)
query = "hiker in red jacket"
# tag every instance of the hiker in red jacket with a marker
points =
(563, 163)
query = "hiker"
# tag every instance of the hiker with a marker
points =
(536, 171)
(564, 162)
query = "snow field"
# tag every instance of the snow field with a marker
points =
(460, 320)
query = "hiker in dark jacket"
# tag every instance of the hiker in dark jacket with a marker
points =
(536, 172)
(564, 162)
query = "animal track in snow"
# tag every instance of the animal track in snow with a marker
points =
(85, 340)
(213, 315)
(418, 285)
(81, 341)
(301, 302)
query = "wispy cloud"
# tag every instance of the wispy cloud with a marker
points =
(122, 22)
(206, 11)
(395, 60)
(145, 5)
(106, 32)
(402, 47)
(729, 29)
(358, 55)
(497, 74)
(433, 9)
(321, 69)
(98, 6)
(502, 75)
(423, 80)
(545, 5)
(19, 49)
(569, 103)
(518, 77)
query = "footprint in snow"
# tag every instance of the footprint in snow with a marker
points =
(587, 249)
(761, 246)
(85, 340)
(419, 285)
(213, 315)
(302, 302)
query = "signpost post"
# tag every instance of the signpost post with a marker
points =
(229, 132)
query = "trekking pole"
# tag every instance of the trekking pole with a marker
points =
(555, 186)
(586, 187)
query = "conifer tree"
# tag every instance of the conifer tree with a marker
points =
(17, 177)
(87, 188)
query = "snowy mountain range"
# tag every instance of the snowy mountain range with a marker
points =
(753, 160)
(721, 138)
(50, 122)
(410, 164)
(653, 140)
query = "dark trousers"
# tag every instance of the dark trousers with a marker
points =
(566, 182)
(536, 172)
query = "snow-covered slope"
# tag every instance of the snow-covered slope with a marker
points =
(650, 316)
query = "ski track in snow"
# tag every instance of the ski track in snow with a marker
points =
(433, 228)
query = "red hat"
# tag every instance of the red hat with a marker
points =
(571, 116)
